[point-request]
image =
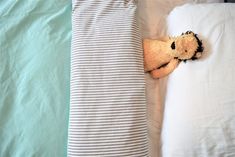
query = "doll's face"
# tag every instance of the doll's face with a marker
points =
(184, 46)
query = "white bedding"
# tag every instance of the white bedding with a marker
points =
(152, 17)
(199, 117)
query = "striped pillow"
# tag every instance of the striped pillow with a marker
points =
(108, 106)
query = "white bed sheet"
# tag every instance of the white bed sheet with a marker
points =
(199, 117)
(152, 18)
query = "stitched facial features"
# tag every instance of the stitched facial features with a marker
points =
(173, 45)
(186, 46)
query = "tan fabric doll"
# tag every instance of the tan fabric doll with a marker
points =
(161, 57)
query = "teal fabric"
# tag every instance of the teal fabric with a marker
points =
(35, 37)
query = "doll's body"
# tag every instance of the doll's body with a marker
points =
(154, 55)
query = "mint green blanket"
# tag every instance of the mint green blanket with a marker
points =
(34, 77)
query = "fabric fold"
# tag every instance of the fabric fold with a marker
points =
(107, 101)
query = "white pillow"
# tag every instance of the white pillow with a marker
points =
(199, 117)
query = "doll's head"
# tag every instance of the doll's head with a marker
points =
(186, 47)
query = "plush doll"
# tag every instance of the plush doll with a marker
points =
(161, 57)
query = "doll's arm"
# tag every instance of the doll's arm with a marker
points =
(164, 71)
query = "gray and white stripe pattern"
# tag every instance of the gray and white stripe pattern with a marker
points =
(107, 104)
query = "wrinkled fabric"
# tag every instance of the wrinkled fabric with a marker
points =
(107, 97)
(199, 115)
(152, 16)
(34, 77)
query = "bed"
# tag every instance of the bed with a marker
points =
(59, 98)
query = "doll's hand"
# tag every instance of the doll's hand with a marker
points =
(166, 70)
